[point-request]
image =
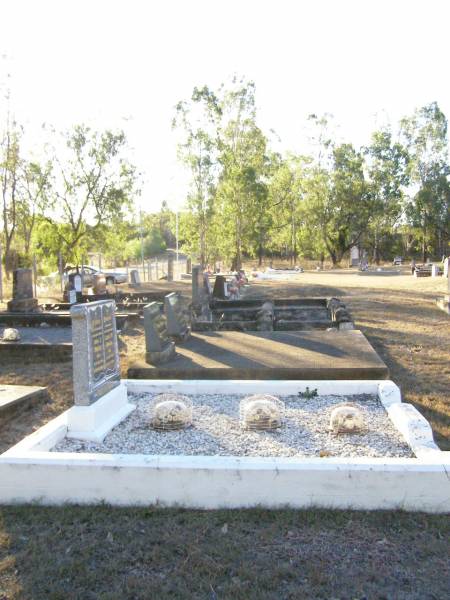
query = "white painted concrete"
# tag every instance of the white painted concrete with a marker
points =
(414, 427)
(29, 473)
(94, 422)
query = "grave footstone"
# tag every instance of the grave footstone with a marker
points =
(159, 347)
(100, 397)
(23, 297)
(178, 325)
(135, 280)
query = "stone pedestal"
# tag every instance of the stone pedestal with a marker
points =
(22, 305)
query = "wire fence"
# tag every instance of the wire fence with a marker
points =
(151, 270)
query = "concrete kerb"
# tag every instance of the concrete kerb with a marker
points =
(29, 472)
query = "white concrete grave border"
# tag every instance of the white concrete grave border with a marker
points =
(29, 472)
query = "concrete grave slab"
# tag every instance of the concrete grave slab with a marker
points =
(270, 355)
(13, 397)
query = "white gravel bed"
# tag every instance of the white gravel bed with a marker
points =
(216, 431)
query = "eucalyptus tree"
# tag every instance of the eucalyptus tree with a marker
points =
(10, 172)
(338, 205)
(34, 198)
(387, 165)
(242, 188)
(197, 120)
(92, 184)
(425, 135)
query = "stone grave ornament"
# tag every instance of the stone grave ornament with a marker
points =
(178, 325)
(261, 412)
(170, 412)
(159, 347)
(10, 334)
(23, 294)
(346, 418)
(96, 369)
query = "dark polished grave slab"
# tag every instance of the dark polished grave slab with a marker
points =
(269, 355)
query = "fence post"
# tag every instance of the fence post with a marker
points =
(60, 269)
(1, 273)
(156, 269)
(35, 275)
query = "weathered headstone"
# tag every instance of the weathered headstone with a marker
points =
(159, 347)
(170, 267)
(200, 293)
(96, 369)
(354, 256)
(135, 280)
(178, 325)
(188, 265)
(22, 300)
(99, 283)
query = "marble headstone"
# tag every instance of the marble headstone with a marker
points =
(159, 347)
(96, 368)
(23, 297)
(178, 325)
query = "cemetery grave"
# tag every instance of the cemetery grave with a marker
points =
(288, 314)
(201, 452)
(267, 355)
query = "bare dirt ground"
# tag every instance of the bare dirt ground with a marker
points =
(104, 553)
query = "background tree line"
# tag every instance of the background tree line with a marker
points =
(245, 200)
(391, 197)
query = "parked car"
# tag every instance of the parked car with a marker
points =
(398, 261)
(112, 277)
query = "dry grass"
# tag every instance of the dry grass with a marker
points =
(82, 553)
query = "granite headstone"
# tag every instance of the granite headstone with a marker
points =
(96, 368)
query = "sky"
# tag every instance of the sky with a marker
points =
(125, 65)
